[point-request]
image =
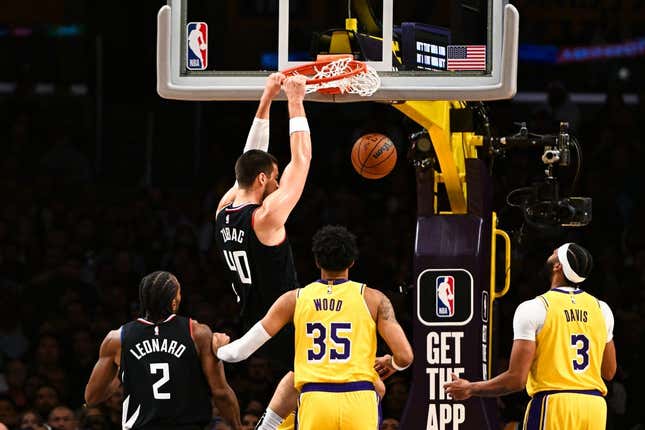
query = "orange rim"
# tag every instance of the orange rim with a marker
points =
(355, 67)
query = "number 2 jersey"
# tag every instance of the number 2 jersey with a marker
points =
(259, 273)
(335, 334)
(163, 382)
(575, 327)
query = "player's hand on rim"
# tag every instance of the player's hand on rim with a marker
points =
(294, 87)
(458, 389)
(273, 85)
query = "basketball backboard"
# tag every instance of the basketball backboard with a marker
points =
(422, 50)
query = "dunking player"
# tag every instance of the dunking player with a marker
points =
(335, 321)
(165, 363)
(250, 221)
(562, 350)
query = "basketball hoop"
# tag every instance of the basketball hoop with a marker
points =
(338, 74)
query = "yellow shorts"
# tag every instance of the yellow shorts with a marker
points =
(348, 406)
(566, 410)
(288, 423)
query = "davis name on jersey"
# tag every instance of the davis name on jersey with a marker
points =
(154, 345)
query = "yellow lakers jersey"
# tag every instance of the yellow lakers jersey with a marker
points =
(570, 345)
(335, 334)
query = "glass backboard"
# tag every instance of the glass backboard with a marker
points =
(422, 50)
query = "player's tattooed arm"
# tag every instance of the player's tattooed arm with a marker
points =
(392, 333)
(385, 309)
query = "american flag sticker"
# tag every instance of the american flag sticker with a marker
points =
(466, 57)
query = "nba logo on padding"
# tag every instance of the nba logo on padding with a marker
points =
(197, 49)
(445, 296)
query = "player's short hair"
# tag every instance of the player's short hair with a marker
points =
(156, 292)
(251, 164)
(334, 248)
(580, 260)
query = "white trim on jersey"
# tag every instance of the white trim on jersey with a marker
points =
(145, 321)
(530, 316)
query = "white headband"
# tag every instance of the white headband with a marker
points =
(569, 273)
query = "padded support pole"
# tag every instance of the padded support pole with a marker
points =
(435, 117)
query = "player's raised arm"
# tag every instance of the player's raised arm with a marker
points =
(391, 332)
(258, 137)
(278, 316)
(275, 209)
(99, 387)
(213, 369)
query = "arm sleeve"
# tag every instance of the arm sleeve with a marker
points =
(243, 347)
(258, 137)
(609, 319)
(529, 319)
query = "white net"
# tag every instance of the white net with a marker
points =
(364, 83)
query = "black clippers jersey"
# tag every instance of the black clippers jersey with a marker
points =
(163, 382)
(260, 273)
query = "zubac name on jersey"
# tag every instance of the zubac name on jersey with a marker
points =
(232, 234)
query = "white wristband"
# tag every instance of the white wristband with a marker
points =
(397, 367)
(298, 123)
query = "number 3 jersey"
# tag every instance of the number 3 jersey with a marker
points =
(335, 334)
(163, 382)
(260, 273)
(570, 344)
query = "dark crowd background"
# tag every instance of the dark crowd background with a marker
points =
(94, 196)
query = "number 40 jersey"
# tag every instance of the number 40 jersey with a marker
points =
(259, 273)
(163, 382)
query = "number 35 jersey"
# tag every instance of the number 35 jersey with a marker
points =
(570, 345)
(163, 381)
(335, 334)
(259, 273)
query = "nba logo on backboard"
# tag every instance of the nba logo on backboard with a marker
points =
(445, 296)
(197, 38)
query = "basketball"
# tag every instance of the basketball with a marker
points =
(373, 155)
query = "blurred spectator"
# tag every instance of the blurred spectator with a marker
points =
(62, 418)
(389, 424)
(254, 407)
(258, 382)
(13, 342)
(16, 377)
(31, 420)
(93, 419)
(249, 421)
(46, 399)
(114, 407)
(8, 413)
(397, 394)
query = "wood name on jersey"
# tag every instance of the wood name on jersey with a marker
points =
(156, 345)
(232, 234)
(325, 304)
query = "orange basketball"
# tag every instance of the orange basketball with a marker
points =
(373, 155)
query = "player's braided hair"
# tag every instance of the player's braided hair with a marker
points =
(251, 164)
(156, 292)
(334, 248)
